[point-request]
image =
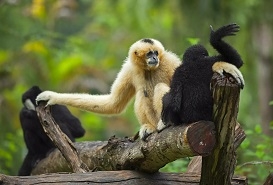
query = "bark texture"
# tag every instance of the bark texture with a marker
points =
(123, 154)
(196, 162)
(111, 177)
(218, 168)
(60, 140)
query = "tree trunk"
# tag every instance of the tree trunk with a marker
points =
(218, 168)
(196, 162)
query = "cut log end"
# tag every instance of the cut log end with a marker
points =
(201, 137)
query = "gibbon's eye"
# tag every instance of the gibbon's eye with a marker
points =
(149, 53)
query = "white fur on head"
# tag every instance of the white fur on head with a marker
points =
(140, 44)
(138, 51)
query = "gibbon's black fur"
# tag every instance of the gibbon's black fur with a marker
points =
(190, 98)
(37, 142)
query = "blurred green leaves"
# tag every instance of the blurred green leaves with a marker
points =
(79, 46)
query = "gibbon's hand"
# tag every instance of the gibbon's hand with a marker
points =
(223, 67)
(227, 30)
(48, 96)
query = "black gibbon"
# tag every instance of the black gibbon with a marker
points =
(190, 97)
(145, 74)
(37, 142)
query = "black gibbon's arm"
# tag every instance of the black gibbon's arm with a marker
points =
(121, 93)
(227, 52)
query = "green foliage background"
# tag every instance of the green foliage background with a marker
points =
(79, 46)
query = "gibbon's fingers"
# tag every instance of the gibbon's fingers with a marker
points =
(237, 75)
(232, 26)
(228, 30)
(145, 131)
(48, 96)
(223, 67)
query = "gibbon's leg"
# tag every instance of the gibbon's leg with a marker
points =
(222, 67)
(148, 110)
(145, 114)
(160, 90)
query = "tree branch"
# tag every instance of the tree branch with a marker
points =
(123, 154)
(111, 177)
(63, 143)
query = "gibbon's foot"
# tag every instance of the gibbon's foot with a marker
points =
(161, 126)
(223, 67)
(135, 137)
(48, 96)
(145, 131)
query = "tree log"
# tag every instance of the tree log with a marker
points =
(196, 162)
(218, 168)
(63, 143)
(123, 154)
(111, 177)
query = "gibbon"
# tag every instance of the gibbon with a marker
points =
(145, 74)
(190, 97)
(36, 140)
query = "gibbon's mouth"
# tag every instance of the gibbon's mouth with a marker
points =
(152, 61)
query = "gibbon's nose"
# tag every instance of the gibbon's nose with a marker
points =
(152, 60)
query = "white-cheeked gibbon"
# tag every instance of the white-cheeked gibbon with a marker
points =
(145, 74)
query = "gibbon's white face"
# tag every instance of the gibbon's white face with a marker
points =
(146, 53)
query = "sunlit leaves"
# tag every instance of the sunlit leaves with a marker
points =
(35, 46)
(193, 41)
(38, 9)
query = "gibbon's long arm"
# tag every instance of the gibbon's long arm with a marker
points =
(121, 92)
(227, 52)
(229, 59)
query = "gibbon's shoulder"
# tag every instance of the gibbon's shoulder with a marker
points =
(171, 58)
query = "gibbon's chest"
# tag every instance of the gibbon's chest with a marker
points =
(146, 81)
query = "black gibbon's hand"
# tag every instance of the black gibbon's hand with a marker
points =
(228, 30)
